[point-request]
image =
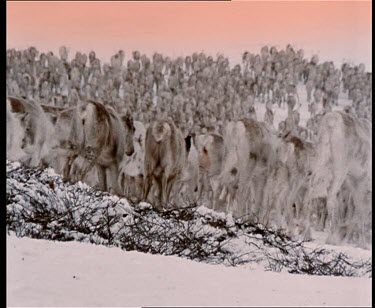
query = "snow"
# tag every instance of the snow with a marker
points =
(47, 273)
(319, 241)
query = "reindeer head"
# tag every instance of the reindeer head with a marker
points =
(29, 127)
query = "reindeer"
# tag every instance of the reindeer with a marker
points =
(35, 129)
(247, 155)
(287, 180)
(210, 148)
(344, 155)
(131, 169)
(186, 186)
(165, 157)
(268, 115)
(14, 136)
(101, 138)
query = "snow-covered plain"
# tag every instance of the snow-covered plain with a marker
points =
(47, 273)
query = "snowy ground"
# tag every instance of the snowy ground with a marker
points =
(46, 273)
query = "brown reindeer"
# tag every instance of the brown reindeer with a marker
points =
(165, 157)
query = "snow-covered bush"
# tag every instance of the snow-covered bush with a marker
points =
(40, 205)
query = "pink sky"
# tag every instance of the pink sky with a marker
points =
(335, 30)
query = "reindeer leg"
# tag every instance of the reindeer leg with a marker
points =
(357, 220)
(267, 202)
(121, 183)
(102, 177)
(333, 217)
(113, 171)
(147, 186)
(168, 188)
(34, 162)
(221, 203)
(163, 191)
(66, 172)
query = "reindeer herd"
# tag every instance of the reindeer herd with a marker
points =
(249, 170)
(181, 132)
